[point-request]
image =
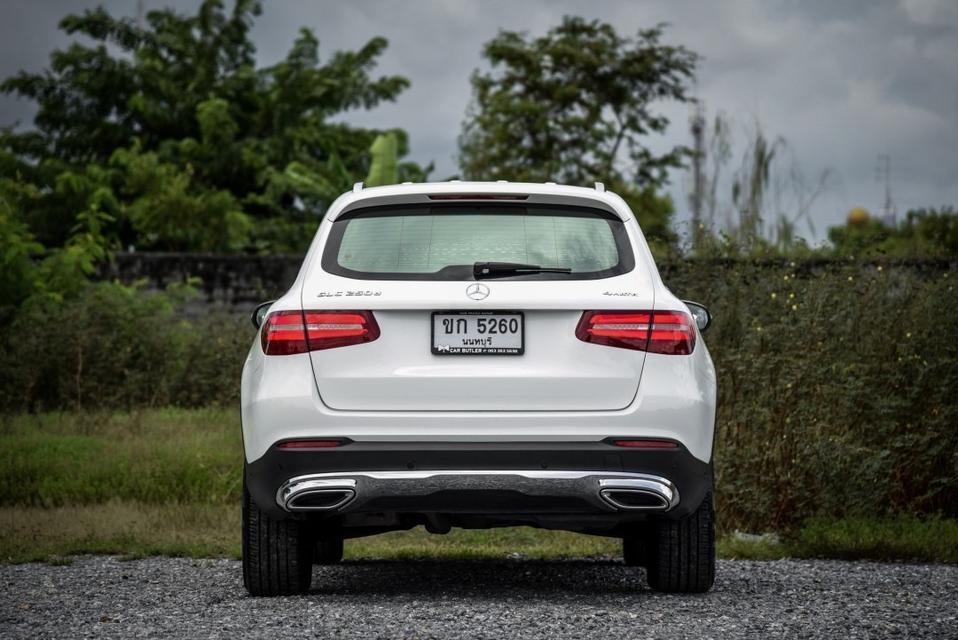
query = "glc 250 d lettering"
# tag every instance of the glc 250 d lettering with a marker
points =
(478, 355)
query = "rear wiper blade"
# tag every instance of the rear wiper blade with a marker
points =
(482, 270)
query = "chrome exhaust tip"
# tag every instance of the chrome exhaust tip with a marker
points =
(316, 494)
(325, 499)
(645, 494)
(634, 499)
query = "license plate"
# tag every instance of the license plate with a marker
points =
(472, 333)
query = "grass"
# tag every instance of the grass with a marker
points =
(154, 457)
(136, 530)
(132, 530)
(934, 539)
(168, 482)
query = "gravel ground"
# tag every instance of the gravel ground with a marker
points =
(172, 597)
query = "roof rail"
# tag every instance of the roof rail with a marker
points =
(600, 187)
(357, 187)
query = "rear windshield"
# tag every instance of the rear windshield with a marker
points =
(443, 243)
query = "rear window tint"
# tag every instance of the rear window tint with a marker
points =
(443, 243)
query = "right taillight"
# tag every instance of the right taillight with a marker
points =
(668, 332)
(289, 332)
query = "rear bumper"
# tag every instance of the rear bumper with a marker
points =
(675, 401)
(590, 480)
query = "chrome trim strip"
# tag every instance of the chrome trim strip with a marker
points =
(660, 487)
(533, 474)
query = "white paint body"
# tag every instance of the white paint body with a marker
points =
(560, 389)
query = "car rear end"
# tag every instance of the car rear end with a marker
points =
(478, 355)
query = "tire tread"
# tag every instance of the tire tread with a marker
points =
(681, 553)
(277, 554)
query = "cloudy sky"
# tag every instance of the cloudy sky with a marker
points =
(842, 81)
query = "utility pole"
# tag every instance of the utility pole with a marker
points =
(883, 175)
(697, 195)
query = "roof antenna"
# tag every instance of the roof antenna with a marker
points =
(600, 187)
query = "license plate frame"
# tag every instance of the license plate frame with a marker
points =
(449, 350)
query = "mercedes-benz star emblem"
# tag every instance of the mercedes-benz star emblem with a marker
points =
(477, 291)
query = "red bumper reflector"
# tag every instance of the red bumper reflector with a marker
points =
(309, 444)
(645, 444)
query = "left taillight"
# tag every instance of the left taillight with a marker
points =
(668, 332)
(288, 332)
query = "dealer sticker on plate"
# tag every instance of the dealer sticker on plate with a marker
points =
(495, 333)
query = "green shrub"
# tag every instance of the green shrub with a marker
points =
(112, 346)
(837, 388)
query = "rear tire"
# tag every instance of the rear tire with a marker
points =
(681, 553)
(277, 554)
(328, 550)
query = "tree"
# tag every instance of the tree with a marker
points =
(171, 129)
(575, 106)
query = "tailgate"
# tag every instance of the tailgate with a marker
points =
(399, 370)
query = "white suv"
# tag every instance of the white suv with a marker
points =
(478, 355)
